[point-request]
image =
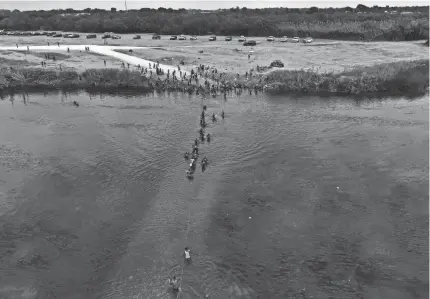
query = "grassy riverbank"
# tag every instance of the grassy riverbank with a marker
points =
(30, 78)
(399, 78)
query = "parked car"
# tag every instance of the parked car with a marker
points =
(193, 37)
(52, 33)
(136, 37)
(228, 38)
(271, 39)
(107, 35)
(173, 37)
(284, 39)
(57, 35)
(156, 36)
(276, 63)
(182, 37)
(296, 39)
(308, 40)
(250, 43)
(91, 36)
(212, 38)
(74, 35)
(116, 37)
(67, 35)
(242, 38)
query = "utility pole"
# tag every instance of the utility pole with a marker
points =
(125, 3)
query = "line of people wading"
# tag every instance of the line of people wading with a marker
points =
(174, 282)
(193, 156)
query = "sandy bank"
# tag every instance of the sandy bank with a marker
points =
(107, 51)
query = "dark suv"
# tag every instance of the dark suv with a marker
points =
(156, 36)
(250, 43)
(173, 37)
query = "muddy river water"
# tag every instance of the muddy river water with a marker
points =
(303, 197)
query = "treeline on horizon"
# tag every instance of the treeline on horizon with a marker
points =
(360, 23)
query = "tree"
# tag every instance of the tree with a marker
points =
(113, 9)
(362, 7)
(312, 10)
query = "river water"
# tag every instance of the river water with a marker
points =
(303, 198)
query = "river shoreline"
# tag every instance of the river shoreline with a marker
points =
(143, 69)
(395, 79)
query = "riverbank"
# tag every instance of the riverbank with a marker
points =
(396, 79)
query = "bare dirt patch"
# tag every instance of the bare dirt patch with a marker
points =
(58, 56)
(320, 56)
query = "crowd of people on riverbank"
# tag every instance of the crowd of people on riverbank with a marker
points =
(205, 79)
(199, 79)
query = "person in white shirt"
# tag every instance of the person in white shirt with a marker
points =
(187, 254)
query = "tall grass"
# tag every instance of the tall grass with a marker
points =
(16, 78)
(45, 78)
(398, 78)
(406, 77)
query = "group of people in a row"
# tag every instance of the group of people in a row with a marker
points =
(203, 137)
(174, 281)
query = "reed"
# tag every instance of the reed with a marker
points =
(397, 78)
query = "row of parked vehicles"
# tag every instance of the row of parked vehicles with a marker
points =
(155, 36)
(242, 38)
(38, 33)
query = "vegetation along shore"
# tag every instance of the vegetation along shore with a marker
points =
(399, 78)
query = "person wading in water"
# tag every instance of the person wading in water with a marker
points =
(174, 283)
